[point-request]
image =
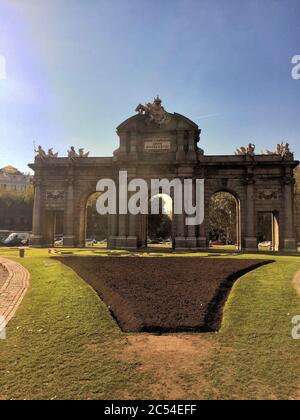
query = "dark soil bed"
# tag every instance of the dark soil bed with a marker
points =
(163, 294)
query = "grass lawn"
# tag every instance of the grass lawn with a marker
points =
(63, 343)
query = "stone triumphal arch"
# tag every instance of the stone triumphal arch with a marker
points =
(158, 144)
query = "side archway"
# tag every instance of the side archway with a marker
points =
(93, 227)
(224, 221)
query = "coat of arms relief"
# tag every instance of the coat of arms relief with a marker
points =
(155, 112)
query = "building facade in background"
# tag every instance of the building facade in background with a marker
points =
(13, 180)
(16, 200)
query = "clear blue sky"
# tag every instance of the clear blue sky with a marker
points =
(72, 70)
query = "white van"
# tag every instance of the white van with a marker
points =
(17, 238)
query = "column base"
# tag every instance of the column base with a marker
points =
(179, 242)
(186, 243)
(36, 241)
(202, 242)
(68, 241)
(251, 244)
(132, 242)
(123, 242)
(289, 245)
(191, 242)
(111, 242)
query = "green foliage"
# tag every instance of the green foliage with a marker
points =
(62, 341)
(159, 226)
(16, 209)
(96, 224)
(223, 217)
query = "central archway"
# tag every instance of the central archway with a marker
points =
(159, 227)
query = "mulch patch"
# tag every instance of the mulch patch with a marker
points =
(163, 294)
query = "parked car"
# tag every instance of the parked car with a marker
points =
(16, 239)
(3, 235)
(90, 242)
(153, 241)
(266, 244)
(59, 241)
(216, 243)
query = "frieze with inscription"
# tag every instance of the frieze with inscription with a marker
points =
(157, 144)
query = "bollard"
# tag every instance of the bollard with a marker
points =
(21, 252)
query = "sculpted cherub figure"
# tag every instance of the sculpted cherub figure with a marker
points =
(82, 154)
(51, 154)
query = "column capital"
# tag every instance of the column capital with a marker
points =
(37, 181)
(288, 180)
(249, 180)
(69, 181)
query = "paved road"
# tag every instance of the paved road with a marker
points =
(12, 288)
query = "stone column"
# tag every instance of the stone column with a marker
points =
(191, 154)
(37, 225)
(191, 240)
(180, 154)
(69, 212)
(180, 239)
(127, 230)
(132, 238)
(113, 230)
(121, 238)
(202, 240)
(49, 229)
(251, 238)
(289, 240)
(133, 146)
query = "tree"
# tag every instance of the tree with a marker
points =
(159, 226)
(96, 224)
(16, 209)
(223, 217)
